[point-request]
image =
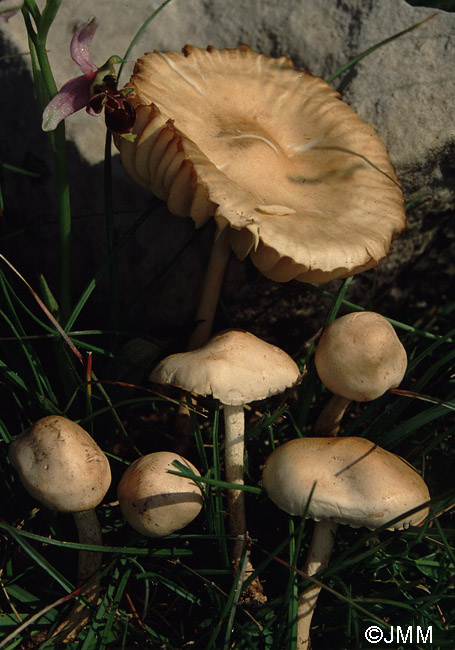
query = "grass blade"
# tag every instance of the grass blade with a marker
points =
(373, 48)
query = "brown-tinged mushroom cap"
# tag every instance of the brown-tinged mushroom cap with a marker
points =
(305, 185)
(355, 482)
(234, 367)
(61, 465)
(155, 502)
(360, 357)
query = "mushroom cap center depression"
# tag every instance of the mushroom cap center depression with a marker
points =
(263, 157)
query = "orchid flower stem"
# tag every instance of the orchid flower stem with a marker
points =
(47, 17)
(32, 7)
(114, 303)
(45, 89)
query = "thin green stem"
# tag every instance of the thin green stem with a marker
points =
(141, 31)
(114, 293)
(47, 18)
(99, 274)
(407, 328)
(45, 89)
(32, 7)
(19, 170)
(373, 48)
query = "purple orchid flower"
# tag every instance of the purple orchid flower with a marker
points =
(94, 90)
(8, 8)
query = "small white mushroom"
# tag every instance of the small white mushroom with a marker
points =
(358, 358)
(354, 482)
(155, 502)
(236, 368)
(61, 466)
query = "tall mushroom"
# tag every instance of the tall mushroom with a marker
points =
(61, 466)
(358, 357)
(354, 482)
(292, 175)
(155, 502)
(236, 368)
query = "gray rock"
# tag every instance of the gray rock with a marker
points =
(406, 89)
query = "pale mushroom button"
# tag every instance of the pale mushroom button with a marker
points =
(358, 358)
(155, 502)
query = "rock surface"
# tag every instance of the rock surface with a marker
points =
(405, 89)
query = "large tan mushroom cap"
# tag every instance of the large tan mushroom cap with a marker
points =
(355, 482)
(154, 502)
(305, 185)
(359, 356)
(61, 465)
(234, 367)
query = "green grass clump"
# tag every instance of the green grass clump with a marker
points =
(178, 592)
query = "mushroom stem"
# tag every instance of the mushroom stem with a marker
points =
(329, 420)
(89, 532)
(204, 317)
(234, 424)
(211, 289)
(317, 559)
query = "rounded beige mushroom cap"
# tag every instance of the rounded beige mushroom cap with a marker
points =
(234, 367)
(61, 465)
(304, 184)
(360, 357)
(154, 502)
(355, 482)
